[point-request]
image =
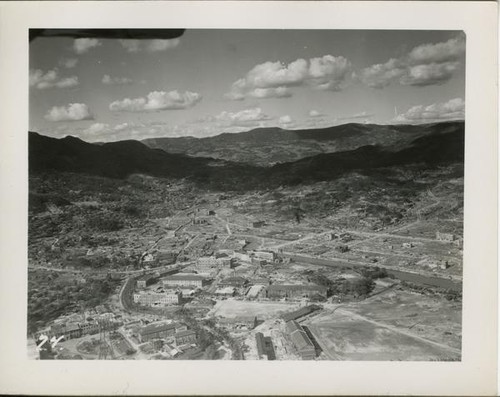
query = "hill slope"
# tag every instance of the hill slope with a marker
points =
(116, 160)
(267, 146)
(444, 144)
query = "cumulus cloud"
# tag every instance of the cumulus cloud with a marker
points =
(278, 92)
(104, 132)
(157, 45)
(273, 79)
(243, 118)
(81, 46)
(96, 128)
(314, 113)
(286, 121)
(362, 115)
(450, 50)
(107, 79)
(50, 79)
(454, 109)
(429, 74)
(383, 74)
(157, 100)
(120, 127)
(329, 72)
(67, 82)
(162, 45)
(72, 112)
(68, 63)
(426, 64)
(130, 45)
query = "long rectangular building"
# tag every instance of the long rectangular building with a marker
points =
(159, 331)
(301, 341)
(185, 280)
(295, 291)
(303, 311)
(158, 298)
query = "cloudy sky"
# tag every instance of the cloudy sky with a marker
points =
(207, 82)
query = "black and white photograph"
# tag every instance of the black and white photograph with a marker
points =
(249, 198)
(246, 194)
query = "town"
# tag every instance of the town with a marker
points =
(223, 279)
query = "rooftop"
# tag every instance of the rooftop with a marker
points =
(146, 277)
(153, 328)
(298, 336)
(303, 311)
(300, 287)
(190, 277)
(186, 333)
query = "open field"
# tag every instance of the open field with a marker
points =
(352, 340)
(395, 325)
(263, 310)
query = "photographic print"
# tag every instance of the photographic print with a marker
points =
(246, 194)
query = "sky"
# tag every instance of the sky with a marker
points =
(213, 81)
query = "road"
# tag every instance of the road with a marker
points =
(401, 275)
(125, 272)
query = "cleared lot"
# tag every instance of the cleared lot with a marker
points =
(391, 326)
(263, 310)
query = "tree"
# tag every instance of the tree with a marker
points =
(362, 286)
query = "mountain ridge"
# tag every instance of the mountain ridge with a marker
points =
(268, 146)
(123, 158)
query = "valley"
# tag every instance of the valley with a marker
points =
(193, 254)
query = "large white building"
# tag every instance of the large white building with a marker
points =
(242, 256)
(268, 256)
(182, 280)
(158, 298)
(207, 261)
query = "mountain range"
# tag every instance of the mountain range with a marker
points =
(268, 146)
(426, 145)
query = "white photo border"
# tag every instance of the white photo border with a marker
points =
(476, 374)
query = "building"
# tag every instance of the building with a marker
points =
(295, 291)
(185, 337)
(72, 331)
(445, 237)
(158, 298)
(166, 257)
(260, 281)
(258, 224)
(268, 256)
(184, 280)
(207, 261)
(303, 311)
(254, 291)
(89, 327)
(258, 262)
(235, 281)
(68, 330)
(247, 322)
(145, 281)
(227, 291)
(265, 346)
(443, 265)
(147, 257)
(242, 256)
(159, 331)
(226, 262)
(300, 340)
